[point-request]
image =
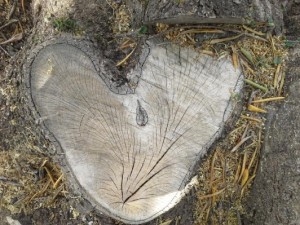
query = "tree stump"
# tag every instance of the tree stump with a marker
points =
(132, 152)
(129, 145)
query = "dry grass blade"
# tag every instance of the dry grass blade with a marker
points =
(245, 131)
(271, 40)
(253, 108)
(246, 184)
(211, 195)
(251, 118)
(246, 66)
(212, 167)
(207, 52)
(197, 31)
(40, 192)
(256, 37)
(268, 99)
(57, 191)
(57, 181)
(276, 77)
(6, 53)
(256, 151)
(178, 220)
(256, 85)
(243, 167)
(253, 31)
(191, 39)
(215, 41)
(254, 155)
(49, 174)
(126, 58)
(44, 163)
(168, 222)
(12, 10)
(281, 84)
(240, 143)
(128, 43)
(248, 55)
(16, 37)
(9, 23)
(23, 6)
(235, 61)
(245, 176)
(237, 129)
(21, 27)
(237, 173)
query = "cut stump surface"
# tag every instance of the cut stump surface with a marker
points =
(132, 154)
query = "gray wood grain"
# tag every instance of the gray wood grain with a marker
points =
(213, 11)
(133, 154)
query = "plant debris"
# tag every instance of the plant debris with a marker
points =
(226, 176)
(27, 187)
(30, 180)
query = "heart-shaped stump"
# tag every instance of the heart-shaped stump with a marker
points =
(133, 154)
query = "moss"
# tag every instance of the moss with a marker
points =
(65, 25)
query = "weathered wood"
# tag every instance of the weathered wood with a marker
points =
(214, 11)
(275, 195)
(292, 18)
(134, 170)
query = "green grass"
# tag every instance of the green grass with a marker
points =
(64, 24)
